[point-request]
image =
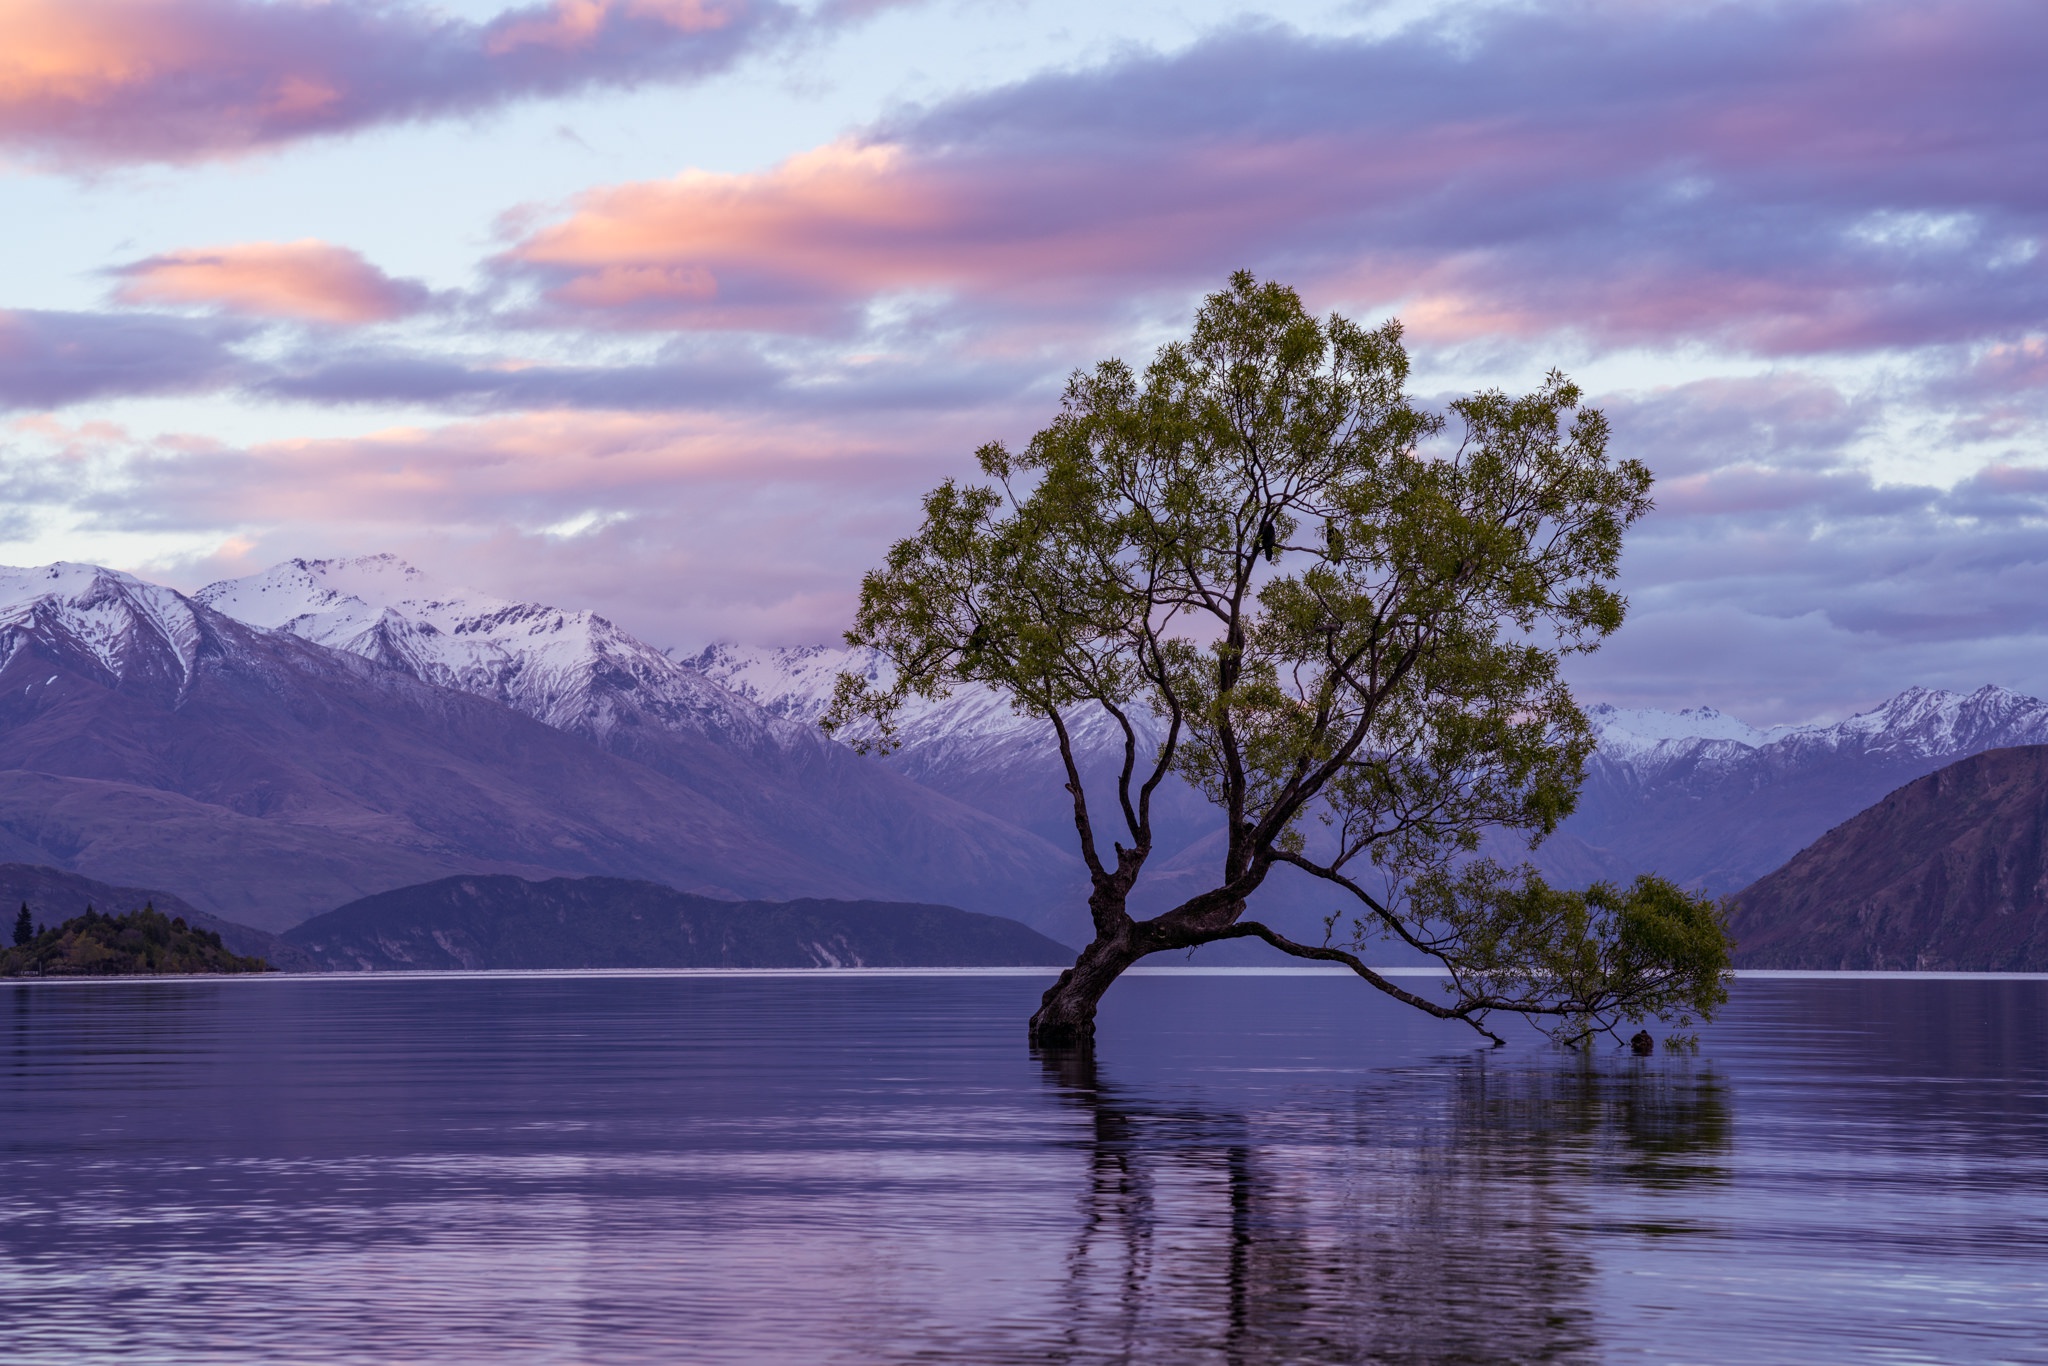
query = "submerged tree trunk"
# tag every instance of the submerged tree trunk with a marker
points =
(1066, 1014)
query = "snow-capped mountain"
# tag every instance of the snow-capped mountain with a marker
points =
(578, 672)
(100, 620)
(1926, 723)
(572, 670)
(972, 726)
(245, 762)
(1631, 730)
(1700, 796)
(305, 719)
(149, 740)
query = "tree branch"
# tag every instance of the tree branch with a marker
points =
(1080, 795)
(1252, 929)
(1392, 921)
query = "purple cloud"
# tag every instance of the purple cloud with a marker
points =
(49, 359)
(1778, 579)
(99, 82)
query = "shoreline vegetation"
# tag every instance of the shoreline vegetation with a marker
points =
(139, 944)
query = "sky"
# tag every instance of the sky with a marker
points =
(674, 308)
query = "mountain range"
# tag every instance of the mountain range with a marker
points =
(147, 738)
(274, 746)
(1696, 795)
(1713, 803)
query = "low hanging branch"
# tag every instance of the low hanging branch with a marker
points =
(1349, 625)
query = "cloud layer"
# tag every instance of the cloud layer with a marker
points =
(707, 402)
(51, 359)
(1778, 179)
(100, 82)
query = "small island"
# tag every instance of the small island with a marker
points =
(141, 943)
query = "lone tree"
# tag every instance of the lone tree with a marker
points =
(24, 927)
(1341, 617)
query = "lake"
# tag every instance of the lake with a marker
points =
(846, 1167)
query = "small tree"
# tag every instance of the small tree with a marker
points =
(24, 927)
(1349, 629)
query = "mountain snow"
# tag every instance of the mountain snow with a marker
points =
(575, 670)
(1627, 729)
(572, 670)
(122, 622)
(1918, 723)
(973, 726)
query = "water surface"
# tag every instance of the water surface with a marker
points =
(872, 1168)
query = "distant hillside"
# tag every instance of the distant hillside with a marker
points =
(602, 922)
(141, 943)
(1948, 872)
(53, 896)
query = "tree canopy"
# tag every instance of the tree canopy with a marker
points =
(1339, 616)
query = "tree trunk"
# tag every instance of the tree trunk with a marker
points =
(1066, 1014)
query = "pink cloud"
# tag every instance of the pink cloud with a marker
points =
(534, 470)
(93, 82)
(309, 280)
(795, 247)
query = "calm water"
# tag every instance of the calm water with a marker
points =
(848, 1168)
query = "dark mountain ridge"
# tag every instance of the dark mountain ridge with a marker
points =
(1949, 872)
(600, 922)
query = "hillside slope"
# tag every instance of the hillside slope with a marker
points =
(1949, 872)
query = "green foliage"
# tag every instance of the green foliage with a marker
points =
(24, 927)
(141, 942)
(1574, 962)
(1347, 615)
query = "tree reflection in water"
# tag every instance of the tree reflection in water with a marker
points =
(1437, 1215)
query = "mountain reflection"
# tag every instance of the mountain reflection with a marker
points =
(1437, 1216)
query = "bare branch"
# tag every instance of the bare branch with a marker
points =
(1469, 1014)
